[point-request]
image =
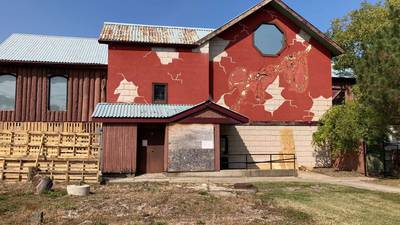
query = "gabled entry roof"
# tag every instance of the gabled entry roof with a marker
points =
(205, 112)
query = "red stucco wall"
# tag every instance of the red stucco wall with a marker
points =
(132, 70)
(293, 86)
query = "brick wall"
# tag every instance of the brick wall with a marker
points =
(275, 140)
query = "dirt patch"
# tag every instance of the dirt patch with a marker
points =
(139, 203)
(164, 203)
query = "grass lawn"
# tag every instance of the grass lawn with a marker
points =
(163, 203)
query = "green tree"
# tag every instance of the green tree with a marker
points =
(378, 78)
(341, 130)
(371, 38)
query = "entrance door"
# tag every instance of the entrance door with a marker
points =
(151, 148)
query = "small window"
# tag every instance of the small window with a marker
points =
(7, 92)
(268, 39)
(58, 93)
(160, 93)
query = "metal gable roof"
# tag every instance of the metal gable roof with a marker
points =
(138, 33)
(129, 110)
(53, 49)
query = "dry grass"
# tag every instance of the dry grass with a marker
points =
(390, 182)
(162, 203)
(337, 173)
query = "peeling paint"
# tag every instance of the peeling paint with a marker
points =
(218, 46)
(320, 106)
(166, 55)
(205, 48)
(271, 105)
(302, 37)
(127, 91)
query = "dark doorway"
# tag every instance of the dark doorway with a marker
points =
(150, 148)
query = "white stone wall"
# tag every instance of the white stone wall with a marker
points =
(274, 140)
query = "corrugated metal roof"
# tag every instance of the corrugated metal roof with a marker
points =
(138, 33)
(128, 110)
(53, 49)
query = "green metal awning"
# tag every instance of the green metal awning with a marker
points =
(126, 110)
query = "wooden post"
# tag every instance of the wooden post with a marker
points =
(3, 166)
(66, 172)
(217, 148)
(270, 161)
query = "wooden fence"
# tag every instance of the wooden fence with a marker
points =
(63, 151)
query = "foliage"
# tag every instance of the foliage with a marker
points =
(378, 78)
(371, 38)
(340, 130)
(357, 27)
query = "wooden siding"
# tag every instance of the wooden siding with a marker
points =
(119, 148)
(86, 88)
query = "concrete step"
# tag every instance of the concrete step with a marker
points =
(237, 173)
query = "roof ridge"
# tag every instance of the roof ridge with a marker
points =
(161, 26)
(146, 104)
(53, 36)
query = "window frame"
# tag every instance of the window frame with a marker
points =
(166, 93)
(284, 41)
(49, 77)
(15, 88)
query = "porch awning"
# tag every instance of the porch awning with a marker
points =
(205, 112)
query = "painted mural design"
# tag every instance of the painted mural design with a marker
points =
(268, 88)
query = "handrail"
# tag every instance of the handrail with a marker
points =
(268, 159)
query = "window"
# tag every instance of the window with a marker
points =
(268, 39)
(7, 92)
(57, 93)
(160, 93)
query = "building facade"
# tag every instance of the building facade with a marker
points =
(178, 99)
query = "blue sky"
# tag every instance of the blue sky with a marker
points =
(85, 17)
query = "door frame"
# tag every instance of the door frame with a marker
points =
(144, 131)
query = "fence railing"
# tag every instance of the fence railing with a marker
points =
(249, 161)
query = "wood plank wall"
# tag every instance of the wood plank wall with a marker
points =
(119, 148)
(86, 88)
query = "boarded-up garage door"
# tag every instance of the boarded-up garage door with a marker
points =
(119, 149)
